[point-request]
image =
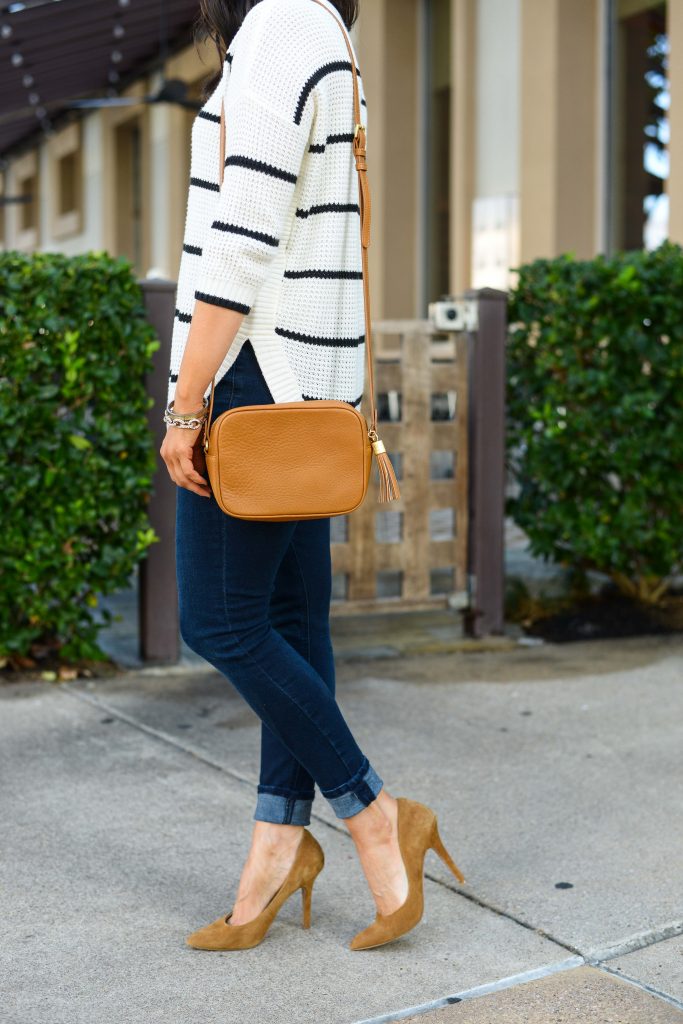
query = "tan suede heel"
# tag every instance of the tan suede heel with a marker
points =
(417, 833)
(307, 865)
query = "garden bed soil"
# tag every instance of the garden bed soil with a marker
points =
(608, 616)
(52, 670)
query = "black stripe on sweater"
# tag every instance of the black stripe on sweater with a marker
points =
(329, 208)
(312, 398)
(260, 165)
(194, 250)
(185, 318)
(310, 339)
(217, 300)
(319, 147)
(213, 186)
(326, 69)
(237, 229)
(342, 137)
(208, 116)
(328, 275)
(173, 377)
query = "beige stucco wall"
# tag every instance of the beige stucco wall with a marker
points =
(370, 42)
(387, 53)
(558, 111)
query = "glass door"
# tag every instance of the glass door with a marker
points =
(639, 124)
(437, 113)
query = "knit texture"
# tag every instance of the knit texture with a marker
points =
(280, 240)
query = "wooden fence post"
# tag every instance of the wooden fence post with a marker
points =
(487, 463)
(159, 636)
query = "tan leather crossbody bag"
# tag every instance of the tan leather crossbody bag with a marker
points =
(309, 459)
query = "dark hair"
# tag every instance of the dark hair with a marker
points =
(219, 20)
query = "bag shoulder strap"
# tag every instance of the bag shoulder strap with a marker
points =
(364, 206)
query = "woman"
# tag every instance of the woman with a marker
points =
(270, 301)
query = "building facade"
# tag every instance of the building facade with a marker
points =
(498, 131)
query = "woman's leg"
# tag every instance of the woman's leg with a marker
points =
(226, 571)
(226, 576)
(299, 612)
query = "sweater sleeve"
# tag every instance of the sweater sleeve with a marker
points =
(268, 115)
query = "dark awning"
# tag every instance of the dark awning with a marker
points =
(60, 50)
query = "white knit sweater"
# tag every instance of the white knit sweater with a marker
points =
(280, 240)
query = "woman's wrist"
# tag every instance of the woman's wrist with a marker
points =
(187, 401)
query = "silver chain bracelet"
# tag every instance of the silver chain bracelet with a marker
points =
(186, 421)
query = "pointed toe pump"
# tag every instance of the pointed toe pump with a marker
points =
(417, 833)
(307, 865)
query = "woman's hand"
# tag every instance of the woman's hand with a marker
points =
(184, 459)
(212, 332)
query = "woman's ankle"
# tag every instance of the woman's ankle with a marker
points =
(271, 837)
(376, 822)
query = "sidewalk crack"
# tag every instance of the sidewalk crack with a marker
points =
(677, 1003)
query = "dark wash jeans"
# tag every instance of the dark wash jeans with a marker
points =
(254, 602)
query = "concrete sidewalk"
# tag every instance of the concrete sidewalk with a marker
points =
(557, 776)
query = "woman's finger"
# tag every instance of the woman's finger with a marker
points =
(204, 492)
(179, 458)
(183, 479)
(188, 470)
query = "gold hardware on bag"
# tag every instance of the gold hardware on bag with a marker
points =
(309, 459)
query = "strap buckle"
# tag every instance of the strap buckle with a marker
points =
(359, 127)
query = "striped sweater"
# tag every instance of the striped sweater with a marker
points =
(280, 240)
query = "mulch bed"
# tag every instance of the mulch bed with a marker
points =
(608, 616)
(51, 670)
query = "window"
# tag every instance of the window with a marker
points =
(69, 183)
(129, 225)
(66, 194)
(639, 124)
(23, 184)
(28, 209)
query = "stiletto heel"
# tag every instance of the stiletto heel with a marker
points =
(306, 894)
(220, 934)
(417, 833)
(440, 849)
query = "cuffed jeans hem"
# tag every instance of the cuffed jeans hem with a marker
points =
(361, 793)
(283, 810)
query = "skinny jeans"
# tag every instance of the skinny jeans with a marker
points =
(254, 600)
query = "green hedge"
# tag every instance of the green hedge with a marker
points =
(595, 414)
(77, 453)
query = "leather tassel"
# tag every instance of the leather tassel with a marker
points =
(388, 484)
